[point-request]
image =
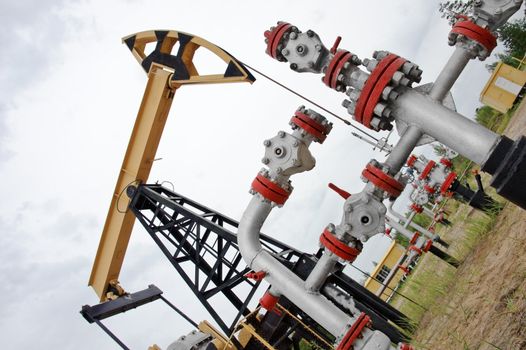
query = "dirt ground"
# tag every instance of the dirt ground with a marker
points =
(485, 306)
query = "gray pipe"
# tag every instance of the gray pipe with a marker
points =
(450, 73)
(285, 281)
(465, 136)
(403, 149)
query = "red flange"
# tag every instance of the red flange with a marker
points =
(382, 180)
(427, 169)
(447, 163)
(311, 126)
(270, 190)
(416, 249)
(340, 249)
(335, 67)
(476, 33)
(269, 301)
(405, 346)
(274, 37)
(379, 87)
(414, 238)
(416, 208)
(447, 183)
(427, 246)
(354, 332)
(411, 161)
(388, 231)
(429, 189)
(370, 84)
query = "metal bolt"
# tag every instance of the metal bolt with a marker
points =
(300, 49)
(293, 35)
(279, 170)
(293, 66)
(296, 143)
(310, 64)
(281, 134)
(310, 33)
(285, 52)
(318, 47)
(346, 103)
(265, 160)
(267, 143)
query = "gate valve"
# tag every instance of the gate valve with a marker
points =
(256, 276)
(344, 194)
(304, 51)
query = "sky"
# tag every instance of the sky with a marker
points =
(70, 93)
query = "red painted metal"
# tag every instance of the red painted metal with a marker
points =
(310, 125)
(378, 88)
(354, 332)
(427, 169)
(411, 161)
(274, 38)
(416, 208)
(270, 190)
(338, 190)
(370, 84)
(427, 246)
(476, 33)
(340, 249)
(336, 44)
(415, 249)
(256, 276)
(268, 301)
(382, 180)
(429, 189)
(447, 183)
(414, 238)
(334, 68)
(446, 162)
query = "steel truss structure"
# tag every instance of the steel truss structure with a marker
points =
(200, 244)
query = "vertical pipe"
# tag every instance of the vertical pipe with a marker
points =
(321, 271)
(403, 149)
(450, 73)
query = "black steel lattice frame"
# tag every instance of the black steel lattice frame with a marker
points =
(189, 232)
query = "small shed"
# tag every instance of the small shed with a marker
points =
(503, 87)
(383, 269)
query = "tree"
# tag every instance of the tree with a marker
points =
(513, 37)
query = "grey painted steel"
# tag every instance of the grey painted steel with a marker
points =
(321, 271)
(403, 149)
(285, 281)
(404, 229)
(450, 73)
(465, 136)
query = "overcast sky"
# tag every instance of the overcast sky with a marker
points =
(70, 93)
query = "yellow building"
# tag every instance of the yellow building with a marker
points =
(381, 271)
(502, 88)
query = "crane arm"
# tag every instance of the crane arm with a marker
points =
(167, 72)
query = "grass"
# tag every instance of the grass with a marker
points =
(432, 279)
